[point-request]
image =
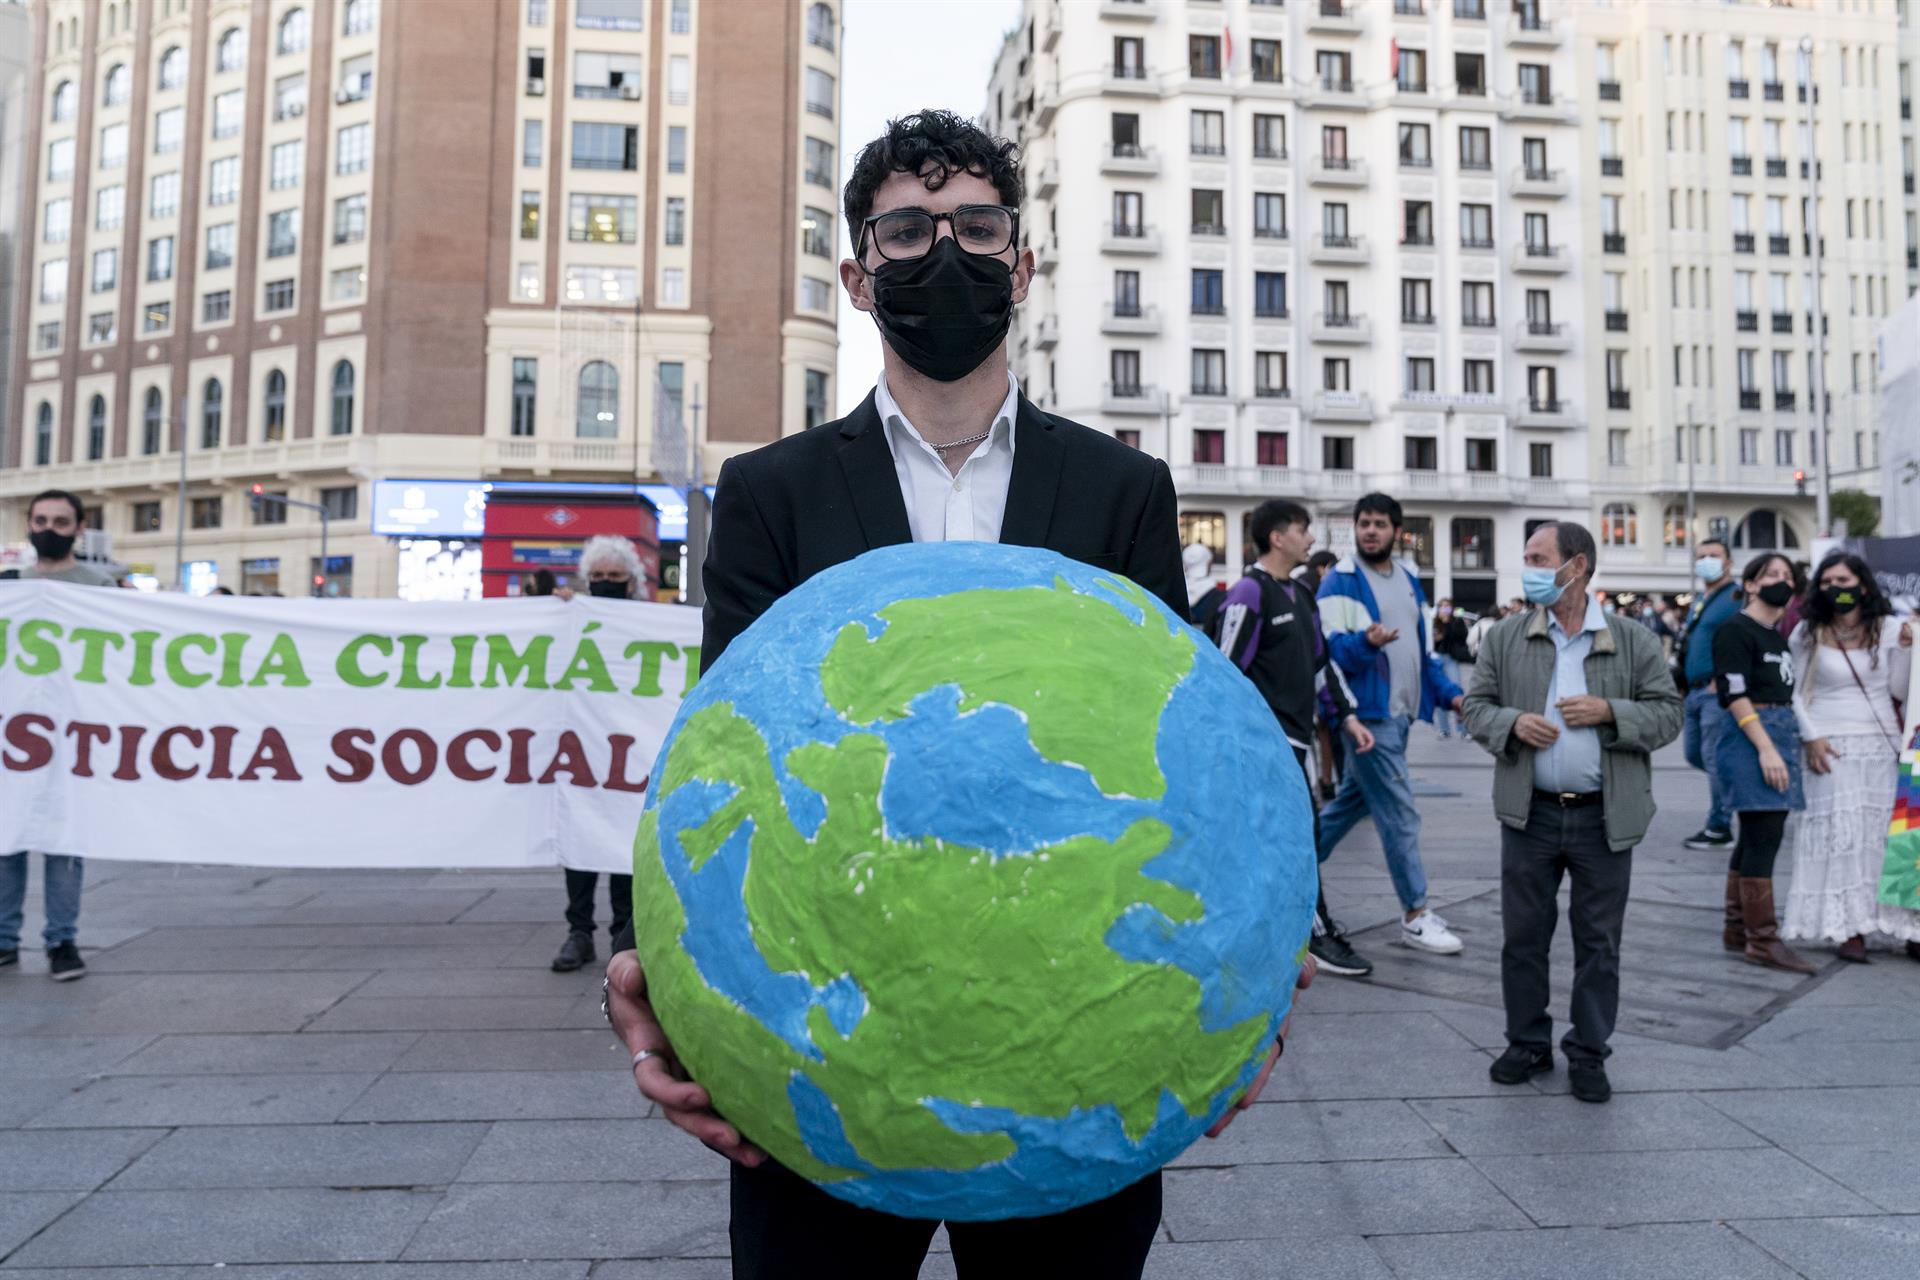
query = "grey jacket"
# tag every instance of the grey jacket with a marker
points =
(1626, 667)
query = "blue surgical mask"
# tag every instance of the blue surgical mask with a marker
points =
(1709, 568)
(1542, 586)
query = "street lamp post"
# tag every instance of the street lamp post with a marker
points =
(259, 494)
(1823, 502)
(180, 516)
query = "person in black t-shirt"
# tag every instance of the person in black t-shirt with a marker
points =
(1757, 757)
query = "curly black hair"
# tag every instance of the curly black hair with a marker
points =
(930, 136)
(1873, 605)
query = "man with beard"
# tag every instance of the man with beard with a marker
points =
(1373, 612)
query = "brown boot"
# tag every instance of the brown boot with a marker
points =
(1733, 935)
(1763, 930)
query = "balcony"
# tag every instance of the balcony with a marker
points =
(1128, 10)
(1783, 322)
(1340, 249)
(1337, 94)
(1541, 259)
(1619, 398)
(1616, 321)
(1333, 17)
(1209, 230)
(1046, 334)
(1050, 32)
(1612, 166)
(1535, 104)
(1046, 254)
(1773, 91)
(1747, 321)
(1613, 242)
(1272, 235)
(1272, 393)
(1126, 81)
(1270, 155)
(1806, 244)
(1046, 102)
(1131, 319)
(1906, 108)
(1418, 164)
(1337, 171)
(1474, 320)
(1049, 180)
(1742, 166)
(1128, 237)
(1409, 8)
(1128, 158)
(1470, 10)
(1416, 319)
(1913, 259)
(1743, 242)
(1415, 240)
(1341, 326)
(1343, 406)
(1749, 399)
(1779, 246)
(1776, 168)
(1803, 170)
(1533, 31)
(1207, 310)
(1535, 411)
(1785, 400)
(1907, 181)
(1550, 184)
(1542, 335)
(1472, 244)
(1125, 397)
(1739, 89)
(1609, 90)
(1207, 391)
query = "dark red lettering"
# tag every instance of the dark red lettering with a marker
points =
(163, 762)
(570, 758)
(457, 763)
(84, 735)
(617, 771)
(36, 752)
(350, 746)
(221, 770)
(130, 735)
(396, 764)
(517, 757)
(273, 756)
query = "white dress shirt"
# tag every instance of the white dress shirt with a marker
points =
(943, 505)
(1572, 763)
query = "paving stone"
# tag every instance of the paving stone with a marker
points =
(1290, 1132)
(1619, 1188)
(350, 938)
(322, 1271)
(291, 1053)
(543, 904)
(400, 956)
(1882, 1173)
(1530, 1124)
(1829, 1025)
(64, 1055)
(135, 1101)
(226, 1001)
(590, 1151)
(1339, 1199)
(1378, 1056)
(1696, 1251)
(23, 1098)
(142, 1228)
(1863, 1117)
(577, 1220)
(1333, 1258)
(144, 956)
(441, 1013)
(489, 984)
(1840, 1248)
(67, 1160)
(501, 1095)
(560, 1050)
(346, 1156)
(1845, 1062)
(24, 1212)
(406, 907)
(1649, 1066)
(676, 1269)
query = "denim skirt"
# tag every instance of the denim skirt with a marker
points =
(1736, 764)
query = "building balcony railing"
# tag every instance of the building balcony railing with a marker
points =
(1207, 309)
(1743, 242)
(1417, 240)
(1278, 234)
(1271, 311)
(1525, 28)
(1783, 322)
(1612, 166)
(1776, 168)
(1742, 166)
(1130, 158)
(1046, 334)
(1746, 321)
(1528, 181)
(1416, 163)
(1616, 321)
(1129, 10)
(1749, 399)
(1130, 397)
(1417, 319)
(1785, 400)
(1049, 180)
(1470, 10)
(1128, 237)
(1476, 244)
(1273, 154)
(1613, 242)
(1543, 411)
(1272, 393)
(1542, 335)
(1131, 81)
(1474, 320)
(1341, 326)
(1619, 398)
(1130, 318)
(1738, 89)
(1207, 391)
(1338, 171)
(1608, 90)
(1773, 91)
(1209, 229)
(1339, 248)
(1343, 406)
(1333, 17)
(1779, 245)
(1541, 258)
(1210, 150)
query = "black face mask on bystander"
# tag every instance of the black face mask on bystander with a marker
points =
(49, 545)
(608, 590)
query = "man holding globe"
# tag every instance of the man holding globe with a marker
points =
(946, 449)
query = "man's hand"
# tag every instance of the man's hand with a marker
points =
(1307, 971)
(1820, 755)
(1379, 635)
(683, 1102)
(1358, 734)
(1458, 705)
(1585, 711)
(1537, 732)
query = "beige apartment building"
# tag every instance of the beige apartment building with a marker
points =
(314, 244)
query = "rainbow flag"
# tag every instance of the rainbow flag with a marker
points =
(1900, 873)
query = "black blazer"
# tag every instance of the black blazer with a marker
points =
(806, 503)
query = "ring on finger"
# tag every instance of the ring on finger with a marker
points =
(644, 1054)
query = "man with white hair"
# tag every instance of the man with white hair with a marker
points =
(611, 569)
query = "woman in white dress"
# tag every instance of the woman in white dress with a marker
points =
(1851, 663)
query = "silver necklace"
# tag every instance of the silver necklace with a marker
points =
(961, 444)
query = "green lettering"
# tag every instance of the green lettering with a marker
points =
(587, 665)
(235, 642)
(283, 660)
(461, 677)
(5, 625)
(650, 653)
(38, 654)
(143, 642)
(93, 652)
(410, 677)
(177, 669)
(348, 664)
(502, 660)
(692, 654)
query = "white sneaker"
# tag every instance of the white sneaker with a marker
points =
(1428, 932)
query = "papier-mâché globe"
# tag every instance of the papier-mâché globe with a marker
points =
(972, 882)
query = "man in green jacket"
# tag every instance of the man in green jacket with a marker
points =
(1572, 701)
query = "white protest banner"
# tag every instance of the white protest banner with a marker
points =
(333, 733)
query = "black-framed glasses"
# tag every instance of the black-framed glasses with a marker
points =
(905, 234)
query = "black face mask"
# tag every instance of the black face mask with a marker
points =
(49, 545)
(1841, 599)
(1776, 594)
(608, 590)
(944, 313)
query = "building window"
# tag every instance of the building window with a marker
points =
(113, 147)
(1270, 374)
(609, 15)
(1476, 226)
(290, 96)
(1269, 216)
(819, 93)
(1270, 294)
(1412, 77)
(53, 280)
(119, 83)
(1619, 525)
(1419, 374)
(1472, 544)
(606, 146)
(1266, 61)
(677, 152)
(97, 429)
(1208, 292)
(287, 160)
(526, 385)
(1207, 133)
(820, 170)
(341, 421)
(230, 54)
(346, 284)
(46, 336)
(1476, 147)
(1483, 455)
(1209, 211)
(358, 17)
(150, 423)
(597, 407)
(206, 513)
(1270, 137)
(1336, 453)
(1540, 461)
(223, 181)
(601, 285)
(342, 503)
(1416, 146)
(674, 225)
(278, 296)
(210, 401)
(350, 149)
(101, 328)
(350, 219)
(1421, 453)
(526, 284)
(356, 79)
(1270, 449)
(106, 270)
(1783, 449)
(604, 219)
(216, 306)
(530, 215)
(60, 160)
(275, 423)
(608, 75)
(66, 101)
(1209, 446)
(1476, 377)
(169, 130)
(815, 295)
(530, 134)
(146, 517)
(219, 246)
(1470, 74)
(283, 233)
(163, 195)
(157, 317)
(56, 221)
(1209, 372)
(292, 36)
(815, 398)
(109, 208)
(229, 113)
(1749, 446)
(679, 80)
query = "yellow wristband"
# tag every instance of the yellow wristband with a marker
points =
(1746, 720)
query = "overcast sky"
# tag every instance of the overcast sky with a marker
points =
(899, 56)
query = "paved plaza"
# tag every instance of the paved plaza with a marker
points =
(373, 1076)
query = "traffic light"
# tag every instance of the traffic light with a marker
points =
(255, 500)
(1800, 483)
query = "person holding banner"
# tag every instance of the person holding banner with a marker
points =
(1757, 757)
(1852, 663)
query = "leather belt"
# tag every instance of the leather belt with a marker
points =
(1569, 799)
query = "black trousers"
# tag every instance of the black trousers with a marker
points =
(1560, 842)
(1761, 832)
(580, 900)
(785, 1228)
